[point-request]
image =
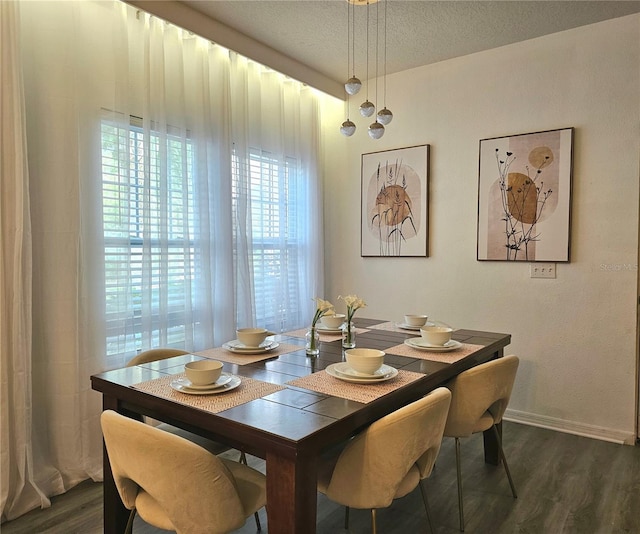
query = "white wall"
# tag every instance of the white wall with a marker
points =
(575, 335)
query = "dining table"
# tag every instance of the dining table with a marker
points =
(289, 408)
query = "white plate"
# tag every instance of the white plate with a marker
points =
(328, 330)
(413, 328)
(423, 345)
(344, 369)
(232, 384)
(241, 348)
(331, 369)
(186, 383)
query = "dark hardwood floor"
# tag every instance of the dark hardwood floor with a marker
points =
(565, 483)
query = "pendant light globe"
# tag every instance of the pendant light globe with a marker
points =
(353, 85)
(376, 130)
(367, 109)
(385, 116)
(348, 128)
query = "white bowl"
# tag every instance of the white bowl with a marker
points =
(436, 335)
(415, 320)
(333, 321)
(366, 361)
(203, 372)
(252, 337)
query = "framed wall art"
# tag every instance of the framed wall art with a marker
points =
(524, 197)
(395, 198)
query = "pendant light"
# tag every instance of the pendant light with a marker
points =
(384, 115)
(353, 84)
(376, 129)
(367, 108)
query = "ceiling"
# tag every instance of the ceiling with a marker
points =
(419, 32)
(308, 39)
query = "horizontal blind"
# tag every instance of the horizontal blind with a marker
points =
(148, 220)
(274, 236)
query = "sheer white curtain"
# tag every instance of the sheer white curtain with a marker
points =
(100, 80)
(17, 485)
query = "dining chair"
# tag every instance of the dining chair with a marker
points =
(174, 484)
(386, 460)
(479, 398)
(214, 447)
(153, 355)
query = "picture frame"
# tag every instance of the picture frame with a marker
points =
(395, 202)
(524, 197)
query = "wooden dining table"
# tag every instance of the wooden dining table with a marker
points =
(289, 422)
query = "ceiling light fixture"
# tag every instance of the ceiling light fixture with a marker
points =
(353, 85)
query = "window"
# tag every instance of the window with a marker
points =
(275, 242)
(151, 250)
(148, 222)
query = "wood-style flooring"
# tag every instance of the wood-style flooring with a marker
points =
(566, 484)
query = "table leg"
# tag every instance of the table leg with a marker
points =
(491, 448)
(115, 514)
(291, 494)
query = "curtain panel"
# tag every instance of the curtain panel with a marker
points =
(102, 81)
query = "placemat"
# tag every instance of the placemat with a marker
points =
(224, 355)
(323, 335)
(443, 357)
(250, 389)
(393, 327)
(323, 382)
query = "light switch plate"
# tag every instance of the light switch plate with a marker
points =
(542, 270)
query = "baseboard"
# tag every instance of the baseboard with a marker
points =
(570, 427)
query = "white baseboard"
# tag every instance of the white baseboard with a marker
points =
(570, 427)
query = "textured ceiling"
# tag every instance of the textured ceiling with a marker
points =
(419, 32)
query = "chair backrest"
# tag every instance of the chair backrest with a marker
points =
(374, 463)
(193, 487)
(480, 396)
(153, 355)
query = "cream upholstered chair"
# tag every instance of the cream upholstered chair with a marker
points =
(175, 484)
(214, 447)
(154, 355)
(479, 398)
(387, 460)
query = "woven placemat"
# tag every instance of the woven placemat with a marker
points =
(443, 357)
(323, 382)
(224, 355)
(393, 327)
(323, 335)
(249, 389)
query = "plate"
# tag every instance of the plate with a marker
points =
(232, 384)
(186, 383)
(344, 369)
(331, 370)
(328, 330)
(240, 348)
(413, 328)
(423, 345)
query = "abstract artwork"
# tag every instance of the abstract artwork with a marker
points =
(524, 197)
(395, 190)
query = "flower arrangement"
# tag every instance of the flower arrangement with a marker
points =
(324, 307)
(353, 303)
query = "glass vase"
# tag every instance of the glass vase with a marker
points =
(348, 336)
(312, 342)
